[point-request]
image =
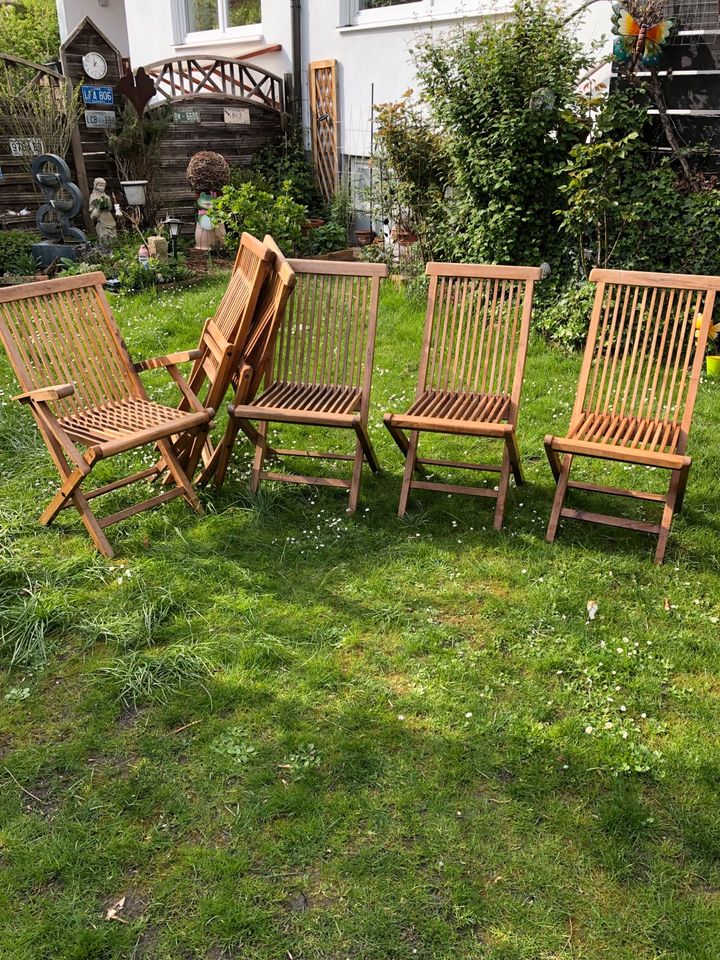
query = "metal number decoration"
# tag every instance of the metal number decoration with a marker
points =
(63, 199)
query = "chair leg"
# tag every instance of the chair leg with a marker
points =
(179, 475)
(71, 482)
(553, 458)
(514, 452)
(677, 483)
(684, 472)
(368, 449)
(410, 458)
(218, 466)
(560, 492)
(356, 476)
(502, 489)
(399, 437)
(97, 534)
(260, 449)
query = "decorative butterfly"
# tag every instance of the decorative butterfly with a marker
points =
(638, 41)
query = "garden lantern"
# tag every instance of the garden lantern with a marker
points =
(173, 224)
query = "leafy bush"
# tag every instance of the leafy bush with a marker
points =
(16, 248)
(330, 236)
(413, 169)
(275, 164)
(505, 96)
(132, 274)
(248, 207)
(29, 29)
(563, 316)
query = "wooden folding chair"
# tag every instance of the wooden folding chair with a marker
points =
(222, 341)
(637, 389)
(256, 359)
(471, 372)
(82, 388)
(322, 368)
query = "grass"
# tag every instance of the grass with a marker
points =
(278, 732)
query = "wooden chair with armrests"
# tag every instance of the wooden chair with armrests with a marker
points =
(223, 339)
(83, 390)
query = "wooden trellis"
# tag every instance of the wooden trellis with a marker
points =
(190, 77)
(324, 124)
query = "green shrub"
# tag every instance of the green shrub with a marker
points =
(248, 207)
(563, 316)
(15, 248)
(324, 239)
(281, 161)
(505, 96)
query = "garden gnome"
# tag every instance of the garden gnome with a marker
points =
(101, 212)
(208, 173)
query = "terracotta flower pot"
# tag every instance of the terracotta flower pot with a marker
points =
(364, 237)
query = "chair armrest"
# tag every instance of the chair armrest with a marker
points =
(46, 394)
(184, 356)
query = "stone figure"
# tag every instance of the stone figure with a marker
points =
(101, 212)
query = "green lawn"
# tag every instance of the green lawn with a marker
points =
(358, 738)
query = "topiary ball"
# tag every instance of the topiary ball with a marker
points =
(208, 171)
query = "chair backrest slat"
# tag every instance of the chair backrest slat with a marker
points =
(476, 329)
(644, 351)
(62, 331)
(328, 334)
(224, 336)
(268, 318)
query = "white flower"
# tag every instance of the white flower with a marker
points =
(468, 714)
(588, 729)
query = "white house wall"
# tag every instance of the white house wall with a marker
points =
(109, 18)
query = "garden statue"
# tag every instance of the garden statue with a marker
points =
(207, 173)
(101, 212)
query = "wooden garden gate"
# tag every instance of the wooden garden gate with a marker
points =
(324, 124)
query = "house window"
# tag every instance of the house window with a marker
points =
(219, 16)
(374, 4)
(388, 11)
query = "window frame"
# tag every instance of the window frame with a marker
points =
(414, 10)
(183, 34)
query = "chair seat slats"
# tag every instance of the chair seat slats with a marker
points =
(439, 405)
(122, 418)
(312, 397)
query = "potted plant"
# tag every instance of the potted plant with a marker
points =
(712, 355)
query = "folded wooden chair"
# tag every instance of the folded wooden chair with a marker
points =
(471, 372)
(322, 368)
(83, 389)
(255, 360)
(222, 341)
(637, 389)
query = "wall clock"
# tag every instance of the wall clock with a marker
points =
(94, 65)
